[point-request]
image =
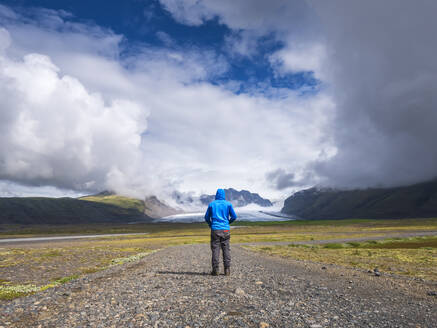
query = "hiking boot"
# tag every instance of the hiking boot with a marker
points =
(227, 271)
(214, 272)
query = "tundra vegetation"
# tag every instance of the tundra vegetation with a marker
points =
(413, 257)
(30, 267)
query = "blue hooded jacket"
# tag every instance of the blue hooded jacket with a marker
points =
(220, 212)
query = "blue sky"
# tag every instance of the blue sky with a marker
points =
(149, 97)
(149, 23)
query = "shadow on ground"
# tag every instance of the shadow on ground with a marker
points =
(185, 273)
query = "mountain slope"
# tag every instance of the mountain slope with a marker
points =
(116, 200)
(104, 207)
(151, 206)
(419, 200)
(41, 210)
(156, 209)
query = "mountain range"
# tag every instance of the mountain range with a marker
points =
(239, 198)
(104, 207)
(414, 201)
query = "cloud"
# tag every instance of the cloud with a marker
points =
(383, 75)
(304, 57)
(256, 15)
(165, 38)
(243, 43)
(375, 59)
(290, 22)
(55, 132)
(281, 179)
(77, 102)
(14, 189)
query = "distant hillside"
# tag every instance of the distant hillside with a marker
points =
(116, 200)
(39, 210)
(100, 208)
(239, 198)
(152, 207)
(419, 200)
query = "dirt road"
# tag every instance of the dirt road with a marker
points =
(173, 288)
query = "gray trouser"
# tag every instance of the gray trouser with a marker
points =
(220, 239)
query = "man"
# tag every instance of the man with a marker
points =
(219, 215)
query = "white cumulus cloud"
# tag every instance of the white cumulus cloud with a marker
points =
(54, 131)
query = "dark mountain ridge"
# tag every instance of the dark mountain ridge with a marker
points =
(42, 210)
(104, 207)
(239, 198)
(414, 201)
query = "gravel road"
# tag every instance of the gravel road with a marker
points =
(173, 288)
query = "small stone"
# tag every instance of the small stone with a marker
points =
(377, 273)
(316, 326)
(263, 325)
(375, 270)
(432, 293)
(350, 281)
(323, 268)
(335, 317)
(239, 291)
(258, 283)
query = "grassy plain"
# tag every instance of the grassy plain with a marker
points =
(413, 256)
(29, 267)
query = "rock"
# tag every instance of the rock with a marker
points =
(323, 268)
(432, 293)
(239, 291)
(377, 273)
(263, 325)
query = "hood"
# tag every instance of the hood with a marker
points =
(220, 195)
